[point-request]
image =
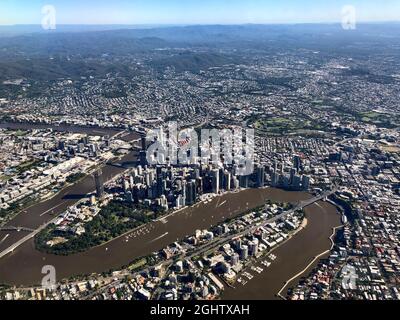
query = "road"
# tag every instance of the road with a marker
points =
(25, 239)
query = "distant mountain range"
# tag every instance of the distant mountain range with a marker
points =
(73, 51)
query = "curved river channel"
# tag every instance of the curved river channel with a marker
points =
(24, 265)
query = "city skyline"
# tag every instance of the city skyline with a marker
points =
(224, 151)
(176, 12)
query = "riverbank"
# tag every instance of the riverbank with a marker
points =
(303, 272)
(23, 267)
(294, 256)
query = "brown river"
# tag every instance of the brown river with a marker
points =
(24, 265)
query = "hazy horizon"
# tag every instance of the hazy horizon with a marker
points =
(194, 12)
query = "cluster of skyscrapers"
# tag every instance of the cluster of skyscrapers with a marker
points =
(293, 180)
(178, 186)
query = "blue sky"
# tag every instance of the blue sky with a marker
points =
(195, 11)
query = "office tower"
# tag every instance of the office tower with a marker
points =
(71, 151)
(244, 182)
(199, 186)
(237, 243)
(143, 158)
(275, 175)
(159, 171)
(215, 181)
(85, 140)
(244, 252)
(253, 248)
(235, 183)
(292, 175)
(197, 173)
(153, 193)
(152, 175)
(93, 148)
(126, 185)
(184, 192)
(305, 183)
(297, 163)
(61, 145)
(191, 192)
(143, 145)
(336, 157)
(194, 190)
(274, 179)
(234, 259)
(284, 181)
(227, 181)
(179, 203)
(99, 183)
(81, 147)
(129, 197)
(164, 202)
(147, 178)
(221, 178)
(296, 182)
(160, 186)
(260, 177)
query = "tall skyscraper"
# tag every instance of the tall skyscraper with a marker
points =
(85, 140)
(143, 143)
(244, 182)
(143, 158)
(260, 177)
(235, 259)
(244, 252)
(275, 175)
(227, 181)
(292, 175)
(99, 183)
(297, 163)
(296, 182)
(215, 180)
(305, 182)
(61, 145)
(191, 193)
